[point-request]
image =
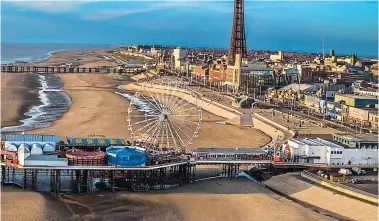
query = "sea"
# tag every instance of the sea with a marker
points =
(53, 101)
(34, 52)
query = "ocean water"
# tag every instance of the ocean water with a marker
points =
(54, 102)
(33, 52)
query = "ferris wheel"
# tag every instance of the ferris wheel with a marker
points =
(161, 120)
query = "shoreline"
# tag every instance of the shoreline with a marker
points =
(51, 104)
(23, 96)
(48, 54)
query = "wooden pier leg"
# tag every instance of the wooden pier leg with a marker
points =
(13, 175)
(23, 178)
(58, 182)
(235, 170)
(78, 180)
(52, 177)
(8, 174)
(90, 181)
(33, 180)
(72, 180)
(2, 175)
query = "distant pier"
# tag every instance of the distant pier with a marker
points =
(58, 70)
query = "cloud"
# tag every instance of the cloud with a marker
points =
(50, 6)
(151, 6)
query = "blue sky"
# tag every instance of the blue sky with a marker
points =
(349, 27)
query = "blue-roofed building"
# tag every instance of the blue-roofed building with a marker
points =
(9, 141)
(30, 138)
(126, 156)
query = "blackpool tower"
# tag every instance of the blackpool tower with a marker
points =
(238, 40)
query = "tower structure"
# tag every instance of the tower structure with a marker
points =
(238, 40)
(323, 49)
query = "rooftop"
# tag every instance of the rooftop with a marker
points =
(45, 158)
(30, 138)
(356, 96)
(229, 150)
(295, 87)
(315, 142)
(359, 137)
(95, 141)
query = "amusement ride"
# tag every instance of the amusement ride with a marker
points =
(160, 120)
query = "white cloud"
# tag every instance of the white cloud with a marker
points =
(51, 6)
(151, 6)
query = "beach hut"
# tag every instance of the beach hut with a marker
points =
(36, 149)
(48, 148)
(11, 147)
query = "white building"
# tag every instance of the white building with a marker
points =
(316, 150)
(179, 54)
(277, 57)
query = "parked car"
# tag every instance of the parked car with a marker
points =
(356, 181)
(345, 172)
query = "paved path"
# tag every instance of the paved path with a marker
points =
(292, 185)
(308, 128)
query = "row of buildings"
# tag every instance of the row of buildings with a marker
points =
(278, 71)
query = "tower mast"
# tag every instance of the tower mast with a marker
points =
(238, 38)
(323, 49)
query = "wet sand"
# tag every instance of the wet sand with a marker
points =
(18, 94)
(17, 204)
(218, 199)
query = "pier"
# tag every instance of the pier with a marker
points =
(80, 179)
(59, 70)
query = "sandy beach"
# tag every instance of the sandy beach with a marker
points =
(86, 58)
(96, 109)
(18, 94)
(219, 199)
(18, 204)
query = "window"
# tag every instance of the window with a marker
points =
(332, 152)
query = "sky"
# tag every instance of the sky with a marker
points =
(349, 27)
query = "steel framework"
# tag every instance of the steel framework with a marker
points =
(161, 120)
(238, 39)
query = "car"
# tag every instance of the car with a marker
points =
(356, 181)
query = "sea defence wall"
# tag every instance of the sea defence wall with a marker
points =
(324, 200)
(340, 187)
(205, 104)
(279, 135)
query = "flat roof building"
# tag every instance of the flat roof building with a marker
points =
(355, 100)
(317, 150)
